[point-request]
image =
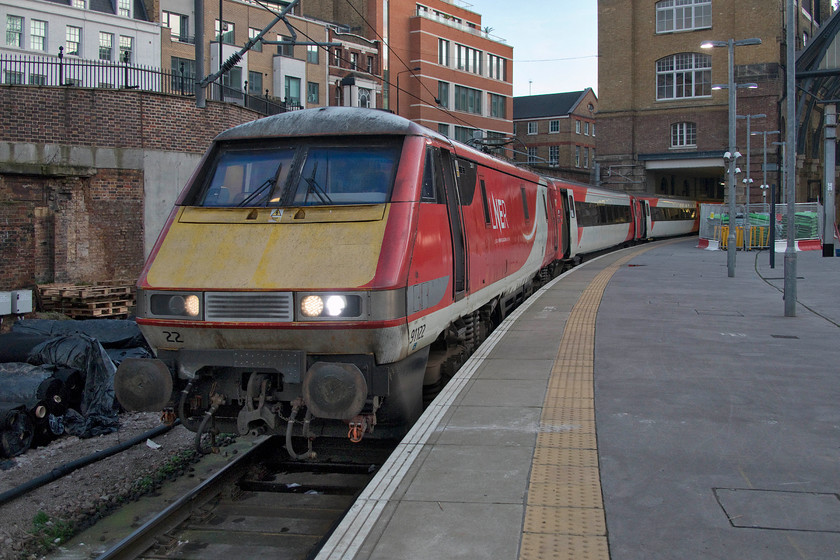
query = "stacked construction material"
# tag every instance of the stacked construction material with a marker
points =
(84, 302)
(807, 225)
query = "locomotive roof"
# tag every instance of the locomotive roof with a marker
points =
(326, 121)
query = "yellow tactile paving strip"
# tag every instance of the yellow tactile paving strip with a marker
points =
(564, 514)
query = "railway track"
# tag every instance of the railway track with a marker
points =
(260, 505)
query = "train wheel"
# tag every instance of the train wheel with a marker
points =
(17, 434)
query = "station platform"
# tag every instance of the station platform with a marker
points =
(643, 405)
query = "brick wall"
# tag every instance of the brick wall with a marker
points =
(66, 223)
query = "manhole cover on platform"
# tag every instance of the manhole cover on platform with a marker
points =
(786, 511)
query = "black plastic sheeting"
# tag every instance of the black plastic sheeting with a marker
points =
(76, 360)
(111, 333)
(83, 353)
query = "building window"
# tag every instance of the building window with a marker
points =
(106, 46)
(532, 155)
(354, 61)
(443, 52)
(312, 92)
(683, 135)
(464, 134)
(554, 156)
(683, 15)
(255, 83)
(337, 58)
(592, 130)
(684, 75)
(124, 8)
(252, 33)
(553, 126)
(364, 97)
(586, 128)
(285, 50)
(232, 83)
(227, 32)
(312, 54)
(443, 128)
(467, 100)
(126, 49)
(79, 4)
(177, 24)
(292, 91)
(498, 104)
(370, 65)
(443, 94)
(183, 74)
(469, 59)
(496, 66)
(38, 35)
(586, 158)
(532, 128)
(14, 31)
(73, 40)
(12, 78)
(577, 156)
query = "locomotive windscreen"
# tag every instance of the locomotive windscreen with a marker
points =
(317, 173)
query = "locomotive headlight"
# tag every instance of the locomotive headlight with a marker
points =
(179, 305)
(335, 305)
(329, 306)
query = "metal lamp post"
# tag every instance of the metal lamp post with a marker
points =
(764, 187)
(730, 85)
(790, 158)
(416, 69)
(748, 180)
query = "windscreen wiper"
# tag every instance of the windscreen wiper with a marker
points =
(270, 182)
(314, 187)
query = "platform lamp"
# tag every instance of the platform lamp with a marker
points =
(747, 179)
(731, 86)
(412, 70)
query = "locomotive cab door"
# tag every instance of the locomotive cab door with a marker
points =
(645, 233)
(456, 224)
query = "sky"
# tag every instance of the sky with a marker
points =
(555, 42)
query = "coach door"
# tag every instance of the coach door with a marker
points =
(568, 216)
(646, 219)
(456, 226)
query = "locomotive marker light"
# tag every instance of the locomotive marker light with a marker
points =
(730, 85)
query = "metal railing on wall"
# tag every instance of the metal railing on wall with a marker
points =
(68, 71)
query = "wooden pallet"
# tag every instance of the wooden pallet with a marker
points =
(80, 302)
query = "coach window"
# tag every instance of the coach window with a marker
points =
(484, 204)
(466, 181)
(524, 204)
(431, 178)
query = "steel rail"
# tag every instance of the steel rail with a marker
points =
(179, 511)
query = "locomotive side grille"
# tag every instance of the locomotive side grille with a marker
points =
(245, 306)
